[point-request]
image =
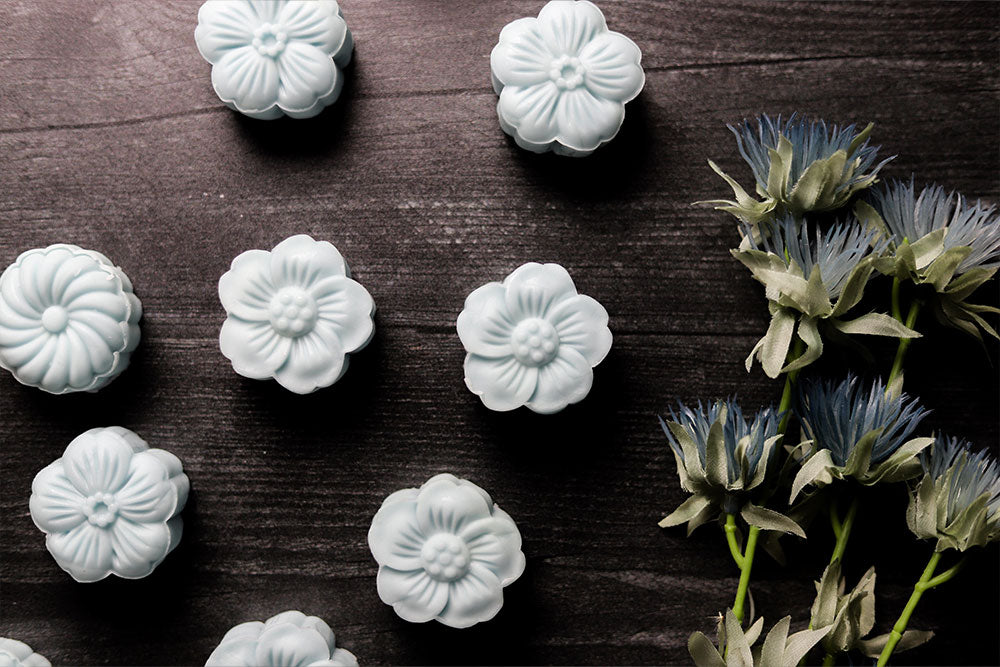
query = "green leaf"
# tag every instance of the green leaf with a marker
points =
(817, 302)
(807, 189)
(861, 455)
(854, 288)
(809, 333)
(942, 269)
(875, 324)
(824, 607)
(776, 342)
(964, 285)
(761, 471)
(817, 464)
(716, 465)
(780, 168)
(703, 652)
(860, 139)
(689, 509)
(910, 639)
(800, 643)
(767, 519)
(927, 248)
(870, 218)
(921, 513)
(773, 651)
(737, 647)
(701, 518)
(692, 460)
(893, 469)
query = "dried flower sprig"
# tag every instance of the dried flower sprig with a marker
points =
(957, 503)
(811, 277)
(939, 239)
(722, 457)
(857, 432)
(800, 166)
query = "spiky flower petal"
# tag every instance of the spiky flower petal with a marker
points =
(857, 432)
(940, 239)
(800, 166)
(958, 499)
(811, 276)
(721, 457)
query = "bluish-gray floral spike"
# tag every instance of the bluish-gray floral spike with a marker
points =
(857, 432)
(958, 500)
(800, 166)
(721, 457)
(837, 253)
(938, 238)
(811, 278)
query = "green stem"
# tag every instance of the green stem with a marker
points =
(741, 590)
(904, 345)
(926, 582)
(734, 547)
(844, 532)
(897, 312)
(786, 394)
(829, 659)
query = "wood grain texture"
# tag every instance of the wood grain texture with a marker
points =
(111, 138)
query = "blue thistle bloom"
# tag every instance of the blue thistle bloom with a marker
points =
(958, 500)
(735, 428)
(857, 432)
(910, 216)
(811, 141)
(721, 456)
(839, 415)
(837, 253)
(799, 167)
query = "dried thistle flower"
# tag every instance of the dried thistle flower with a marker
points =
(858, 433)
(721, 457)
(957, 502)
(799, 166)
(811, 277)
(938, 239)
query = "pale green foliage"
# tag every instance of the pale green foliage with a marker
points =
(736, 646)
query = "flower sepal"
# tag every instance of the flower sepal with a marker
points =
(850, 614)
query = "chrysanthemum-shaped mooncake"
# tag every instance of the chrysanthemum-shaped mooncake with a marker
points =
(68, 319)
(289, 638)
(294, 314)
(532, 340)
(110, 505)
(445, 552)
(275, 57)
(564, 78)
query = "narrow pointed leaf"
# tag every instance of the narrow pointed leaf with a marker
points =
(875, 324)
(809, 333)
(774, 644)
(817, 464)
(942, 269)
(703, 652)
(776, 342)
(800, 643)
(767, 519)
(687, 510)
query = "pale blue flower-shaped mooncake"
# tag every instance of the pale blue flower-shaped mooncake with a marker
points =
(275, 57)
(532, 340)
(294, 314)
(110, 505)
(18, 654)
(445, 552)
(68, 319)
(564, 78)
(289, 638)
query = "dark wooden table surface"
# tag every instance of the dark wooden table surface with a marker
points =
(111, 138)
